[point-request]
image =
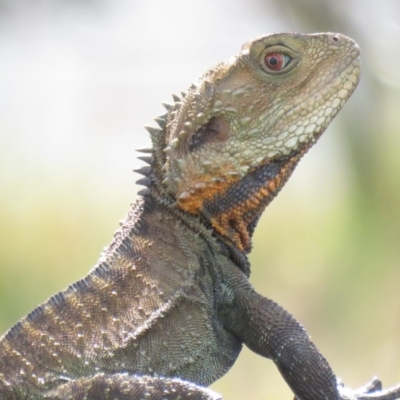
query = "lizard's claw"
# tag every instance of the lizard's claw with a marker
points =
(371, 391)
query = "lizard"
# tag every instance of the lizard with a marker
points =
(169, 306)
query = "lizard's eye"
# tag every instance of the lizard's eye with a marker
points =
(276, 62)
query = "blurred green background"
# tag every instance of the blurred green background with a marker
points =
(78, 79)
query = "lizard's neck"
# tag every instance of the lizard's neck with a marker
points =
(234, 213)
(231, 208)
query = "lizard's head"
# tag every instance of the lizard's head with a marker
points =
(232, 141)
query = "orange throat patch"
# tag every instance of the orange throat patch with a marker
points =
(232, 206)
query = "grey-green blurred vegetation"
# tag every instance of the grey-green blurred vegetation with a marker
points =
(78, 79)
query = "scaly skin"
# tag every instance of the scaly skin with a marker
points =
(169, 306)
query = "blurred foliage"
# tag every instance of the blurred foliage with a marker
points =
(79, 80)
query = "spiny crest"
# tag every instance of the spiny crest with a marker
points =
(145, 170)
(156, 157)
